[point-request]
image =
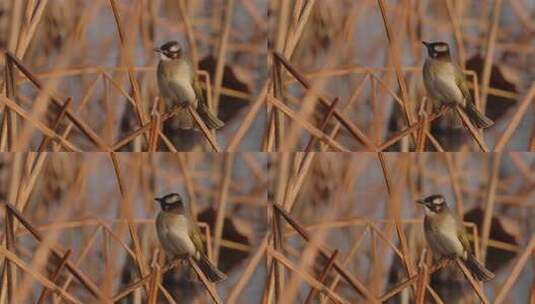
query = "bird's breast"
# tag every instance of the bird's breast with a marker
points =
(440, 81)
(173, 231)
(448, 226)
(444, 235)
(174, 81)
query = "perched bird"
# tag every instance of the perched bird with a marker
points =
(179, 87)
(447, 236)
(446, 84)
(180, 236)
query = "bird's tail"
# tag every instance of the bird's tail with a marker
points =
(477, 269)
(183, 119)
(211, 121)
(210, 270)
(477, 118)
(452, 121)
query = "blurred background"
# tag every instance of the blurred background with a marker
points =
(362, 204)
(103, 210)
(272, 222)
(287, 227)
(99, 53)
(344, 51)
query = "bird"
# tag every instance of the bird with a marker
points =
(179, 87)
(446, 236)
(446, 84)
(180, 236)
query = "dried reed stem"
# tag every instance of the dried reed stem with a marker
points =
(473, 282)
(209, 286)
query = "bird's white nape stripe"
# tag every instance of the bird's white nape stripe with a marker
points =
(174, 48)
(441, 48)
(437, 201)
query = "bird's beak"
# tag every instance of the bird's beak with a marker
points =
(157, 50)
(421, 202)
(425, 43)
(157, 199)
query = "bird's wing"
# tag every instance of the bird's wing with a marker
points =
(210, 119)
(462, 83)
(203, 108)
(195, 235)
(462, 235)
(197, 87)
(174, 234)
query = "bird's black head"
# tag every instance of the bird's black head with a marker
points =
(437, 50)
(169, 50)
(171, 202)
(434, 203)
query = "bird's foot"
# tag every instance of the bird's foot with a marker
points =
(175, 108)
(452, 256)
(443, 107)
(183, 258)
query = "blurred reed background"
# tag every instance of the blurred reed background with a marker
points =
(285, 227)
(344, 73)
(360, 209)
(348, 74)
(285, 76)
(101, 209)
(98, 56)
